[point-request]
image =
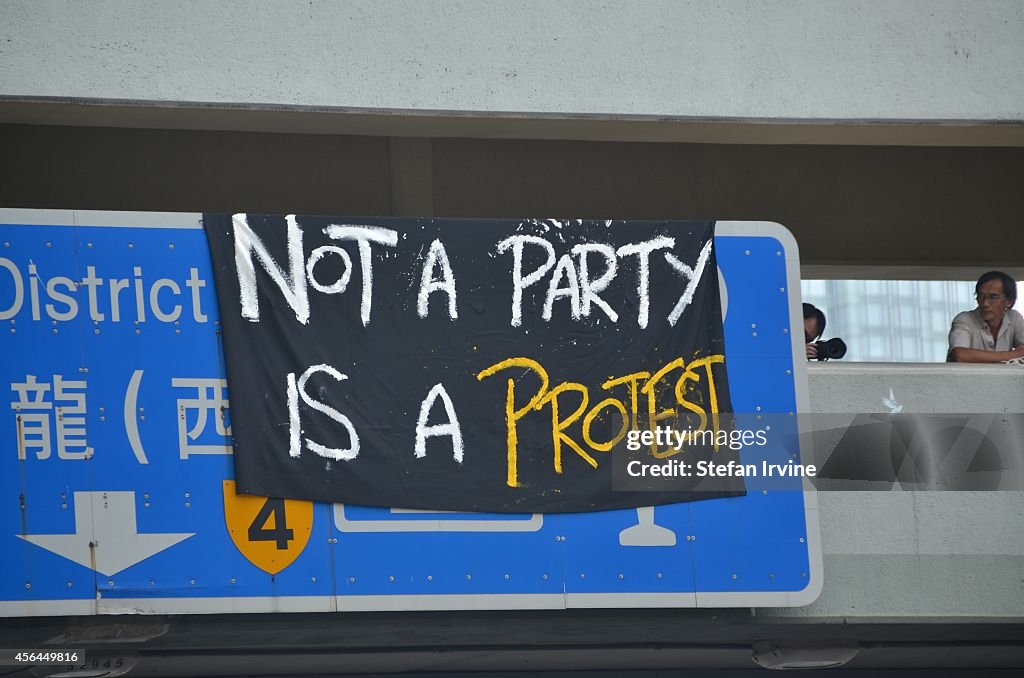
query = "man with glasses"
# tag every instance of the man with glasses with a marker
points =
(993, 332)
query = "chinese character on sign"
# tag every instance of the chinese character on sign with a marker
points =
(211, 398)
(34, 412)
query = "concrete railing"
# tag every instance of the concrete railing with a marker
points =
(918, 387)
(908, 553)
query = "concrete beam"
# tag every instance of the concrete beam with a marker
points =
(914, 60)
(423, 123)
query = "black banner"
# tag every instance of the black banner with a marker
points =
(465, 365)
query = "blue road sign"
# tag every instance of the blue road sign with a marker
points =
(117, 464)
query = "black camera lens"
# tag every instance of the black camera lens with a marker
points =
(831, 349)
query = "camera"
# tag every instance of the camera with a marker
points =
(830, 348)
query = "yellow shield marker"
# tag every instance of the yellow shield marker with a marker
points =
(270, 533)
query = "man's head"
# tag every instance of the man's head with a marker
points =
(814, 322)
(996, 292)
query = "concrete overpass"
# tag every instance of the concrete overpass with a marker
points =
(889, 137)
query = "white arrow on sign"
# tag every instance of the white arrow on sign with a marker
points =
(106, 538)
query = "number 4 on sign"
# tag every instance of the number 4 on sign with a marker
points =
(280, 533)
(271, 533)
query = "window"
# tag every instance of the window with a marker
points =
(890, 320)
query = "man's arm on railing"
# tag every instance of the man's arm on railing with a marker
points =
(962, 354)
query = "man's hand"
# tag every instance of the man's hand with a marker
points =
(812, 352)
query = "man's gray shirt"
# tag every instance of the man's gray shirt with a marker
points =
(970, 331)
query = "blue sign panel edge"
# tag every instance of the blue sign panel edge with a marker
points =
(791, 252)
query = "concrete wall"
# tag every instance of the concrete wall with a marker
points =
(903, 60)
